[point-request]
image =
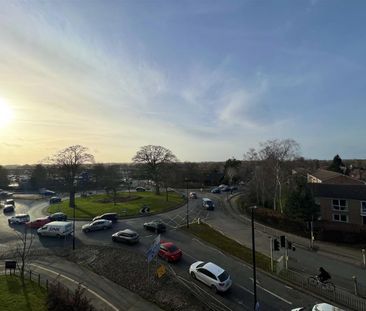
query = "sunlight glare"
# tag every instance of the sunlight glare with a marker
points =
(6, 114)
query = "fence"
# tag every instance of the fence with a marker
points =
(337, 295)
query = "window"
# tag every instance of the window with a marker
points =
(339, 205)
(340, 217)
(363, 208)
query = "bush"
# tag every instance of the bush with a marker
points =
(61, 299)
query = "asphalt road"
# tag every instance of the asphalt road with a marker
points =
(272, 294)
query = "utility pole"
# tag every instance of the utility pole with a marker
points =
(254, 267)
(187, 216)
(271, 251)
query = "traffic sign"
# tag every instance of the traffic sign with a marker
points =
(154, 249)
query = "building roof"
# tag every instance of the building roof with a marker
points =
(351, 192)
(324, 174)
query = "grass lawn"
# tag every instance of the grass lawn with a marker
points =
(229, 246)
(94, 205)
(15, 296)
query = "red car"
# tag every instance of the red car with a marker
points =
(38, 223)
(170, 252)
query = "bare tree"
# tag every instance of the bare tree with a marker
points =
(154, 158)
(69, 162)
(269, 171)
(23, 247)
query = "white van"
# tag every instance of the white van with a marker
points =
(56, 228)
(208, 204)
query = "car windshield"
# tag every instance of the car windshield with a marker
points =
(200, 265)
(173, 248)
(223, 276)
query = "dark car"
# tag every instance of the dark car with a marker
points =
(8, 208)
(216, 190)
(55, 200)
(9, 202)
(126, 236)
(140, 189)
(108, 216)
(58, 217)
(155, 226)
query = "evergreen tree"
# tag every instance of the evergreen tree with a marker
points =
(4, 180)
(338, 166)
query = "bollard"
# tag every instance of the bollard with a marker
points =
(39, 280)
(30, 275)
(355, 284)
(363, 258)
(198, 220)
(47, 285)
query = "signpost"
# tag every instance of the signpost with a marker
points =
(152, 253)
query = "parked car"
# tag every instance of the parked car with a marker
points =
(208, 204)
(58, 217)
(5, 194)
(38, 223)
(140, 189)
(216, 190)
(126, 236)
(212, 275)
(55, 200)
(56, 229)
(155, 225)
(170, 252)
(108, 216)
(8, 208)
(193, 195)
(9, 202)
(100, 224)
(18, 219)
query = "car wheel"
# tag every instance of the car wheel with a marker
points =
(9, 222)
(87, 230)
(193, 275)
(114, 239)
(58, 236)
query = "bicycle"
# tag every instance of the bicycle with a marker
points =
(326, 285)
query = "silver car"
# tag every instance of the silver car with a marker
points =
(18, 219)
(101, 224)
(212, 275)
(126, 236)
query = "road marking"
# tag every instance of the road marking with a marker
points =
(275, 295)
(212, 248)
(253, 280)
(288, 287)
(245, 289)
(73, 281)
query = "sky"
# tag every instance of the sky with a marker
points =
(206, 79)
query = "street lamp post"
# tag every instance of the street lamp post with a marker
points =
(187, 217)
(73, 222)
(256, 304)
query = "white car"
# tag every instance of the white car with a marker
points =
(19, 219)
(320, 307)
(210, 274)
(100, 224)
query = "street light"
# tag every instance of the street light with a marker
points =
(73, 222)
(186, 180)
(256, 303)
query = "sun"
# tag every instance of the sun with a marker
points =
(6, 113)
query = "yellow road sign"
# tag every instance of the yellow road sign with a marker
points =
(161, 271)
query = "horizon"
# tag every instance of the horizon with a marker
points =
(207, 80)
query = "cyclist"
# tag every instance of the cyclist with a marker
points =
(323, 275)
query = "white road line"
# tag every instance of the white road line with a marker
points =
(212, 248)
(288, 287)
(253, 280)
(73, 281)
(275, 295)
(245, 289)
(186, 254)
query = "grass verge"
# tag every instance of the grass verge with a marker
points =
(229, 246)
(14, 295)
(92, 206)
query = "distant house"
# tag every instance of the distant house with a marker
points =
(329, 177)
(342, 201)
